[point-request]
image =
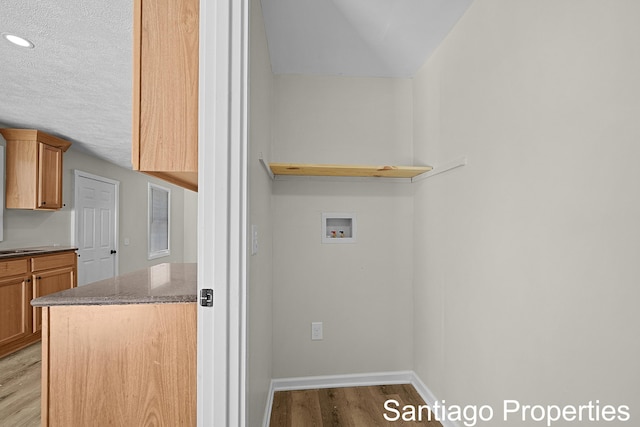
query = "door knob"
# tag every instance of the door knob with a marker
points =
(112, 252)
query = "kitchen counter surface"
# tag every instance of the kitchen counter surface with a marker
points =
(162, 283)
(36, 250)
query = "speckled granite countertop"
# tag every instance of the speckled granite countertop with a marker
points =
(162, 283)
(36, 250)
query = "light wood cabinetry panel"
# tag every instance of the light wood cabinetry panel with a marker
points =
(48, 282)
(64, 259)
(21, 280)
(49, 177)
(14, 267)
(34, 169)
(165, 95)
(128, 365)
(14, 312)
(22, 173)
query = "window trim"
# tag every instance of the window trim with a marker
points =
(162, 252)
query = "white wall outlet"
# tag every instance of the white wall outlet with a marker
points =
(126, 241)
(254, 239)
(316, 331)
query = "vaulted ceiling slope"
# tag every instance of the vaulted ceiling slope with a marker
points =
(76, 83)
(377, 38)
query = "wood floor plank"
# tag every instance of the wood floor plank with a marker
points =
(334, 412)
(363, 406)
(20, 387)
(281, 410)
(345, 407)
(305, 409)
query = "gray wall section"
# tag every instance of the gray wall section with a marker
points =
(526, 260)
(260, 265)
(361, 291)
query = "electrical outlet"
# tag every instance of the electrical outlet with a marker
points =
(316, 331)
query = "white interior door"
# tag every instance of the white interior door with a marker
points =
(96, 203)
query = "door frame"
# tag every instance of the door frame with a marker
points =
(222, 212)
(75, 232)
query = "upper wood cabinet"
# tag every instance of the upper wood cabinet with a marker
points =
(165, 90)
(34, 169)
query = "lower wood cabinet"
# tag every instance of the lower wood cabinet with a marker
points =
(21, 280)
(15, 314)
(50, 274)
(124, 365)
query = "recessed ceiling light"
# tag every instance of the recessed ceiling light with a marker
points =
(18, 41)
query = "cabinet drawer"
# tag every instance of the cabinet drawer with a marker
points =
(14, 267)
(47, 262)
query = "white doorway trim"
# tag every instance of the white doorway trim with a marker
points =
(222, 212)
(74, 214)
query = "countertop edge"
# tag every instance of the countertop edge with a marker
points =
(53, 302)
(168, 283)
(36, 251)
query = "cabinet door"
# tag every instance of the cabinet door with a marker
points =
(165, 110)
(49, 177)
(14, 310)
(48, 282)
(22, 174)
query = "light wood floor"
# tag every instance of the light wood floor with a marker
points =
(330, 407)
(20, 387)
(348, 406)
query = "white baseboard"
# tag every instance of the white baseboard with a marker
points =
(351, 380)
(429, 397)
(266, 420)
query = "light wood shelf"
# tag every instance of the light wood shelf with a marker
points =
(302, 169)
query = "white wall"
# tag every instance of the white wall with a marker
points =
(344, 120)
(526, 260)
(24, 228)
(260, 280)
(361, 292)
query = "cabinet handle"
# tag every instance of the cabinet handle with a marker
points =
(39, 277)
(28, 280)
(44, 203)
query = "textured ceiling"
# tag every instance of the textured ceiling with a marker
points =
(77, 82)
